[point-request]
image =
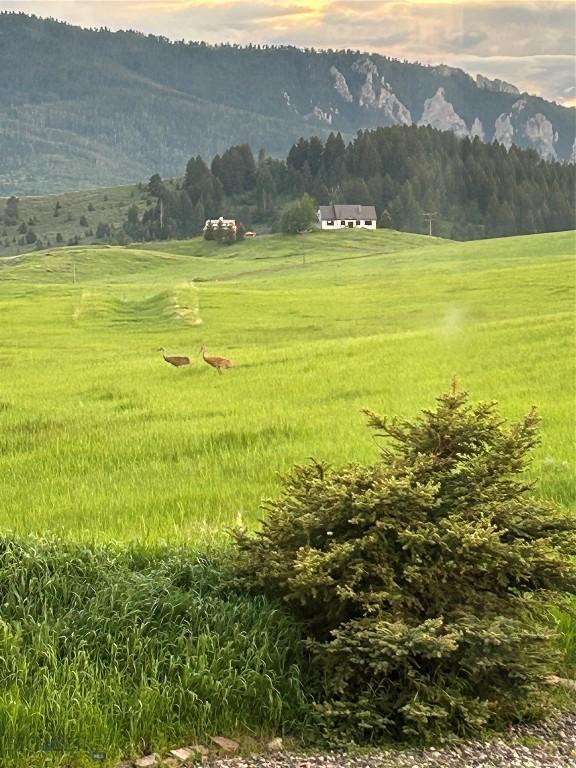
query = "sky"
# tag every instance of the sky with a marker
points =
(530, 43)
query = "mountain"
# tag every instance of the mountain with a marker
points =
(81, 108)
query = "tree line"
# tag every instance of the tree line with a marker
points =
(475, 190)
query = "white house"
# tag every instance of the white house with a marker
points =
(226, 223)
(347, 217)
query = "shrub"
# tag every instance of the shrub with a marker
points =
(299, 216)
(421, 580)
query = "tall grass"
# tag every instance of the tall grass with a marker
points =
(100, 439)
(124, 651)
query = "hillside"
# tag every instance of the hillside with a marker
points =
(69, 217)
(94, 108)
(318, 328)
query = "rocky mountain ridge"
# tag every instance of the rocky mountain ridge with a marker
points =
(83, 108)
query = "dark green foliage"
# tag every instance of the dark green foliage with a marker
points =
(385, 220)
(421, 580)
(11, 214)
(84, 221)
(299, 216)
(475, 190)
(103, 230)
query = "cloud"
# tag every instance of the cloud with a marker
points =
(528, 42)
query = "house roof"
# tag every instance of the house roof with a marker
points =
(331, 212)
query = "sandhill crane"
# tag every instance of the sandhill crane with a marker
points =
(216, 362)
(175, 360)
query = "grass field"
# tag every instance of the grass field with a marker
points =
(100, 439)
(139, 645)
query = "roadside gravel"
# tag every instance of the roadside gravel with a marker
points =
(551, 744)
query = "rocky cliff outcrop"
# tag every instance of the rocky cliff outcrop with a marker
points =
(496, 86)
(440, 113)
(542, 136)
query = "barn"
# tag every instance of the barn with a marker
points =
(347, 217)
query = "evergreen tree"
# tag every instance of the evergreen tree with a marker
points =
(421, 581)
(385, 221)
(198, 218)
(132, 226)
(11, 212)
(155, 186)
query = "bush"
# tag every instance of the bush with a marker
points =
(299, 216)
(421, 580)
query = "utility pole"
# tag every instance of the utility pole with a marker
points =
(161, 214)
(428, 217)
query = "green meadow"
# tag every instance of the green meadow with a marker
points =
(117, 469)
(102, 440)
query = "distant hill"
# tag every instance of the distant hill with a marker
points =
(82, 108)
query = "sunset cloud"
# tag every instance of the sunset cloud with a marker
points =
(526, 42)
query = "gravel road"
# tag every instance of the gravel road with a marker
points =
(551, 744)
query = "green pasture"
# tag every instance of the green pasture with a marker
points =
(100, 439)
(140, 645)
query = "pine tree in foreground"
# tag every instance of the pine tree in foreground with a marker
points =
(421, 580)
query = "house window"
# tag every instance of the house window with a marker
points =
(343, 223)
(330, 223)
(358, 222)
(368, 222)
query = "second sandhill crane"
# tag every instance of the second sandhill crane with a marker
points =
(175, 360)
(216, 362)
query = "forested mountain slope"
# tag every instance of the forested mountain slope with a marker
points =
(90, 107)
